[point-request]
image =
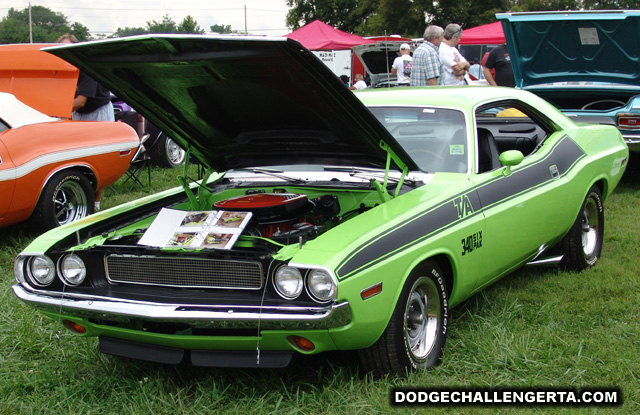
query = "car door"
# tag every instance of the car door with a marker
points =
(523, 206)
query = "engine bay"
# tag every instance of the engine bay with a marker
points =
(285, 217)
(279, 216)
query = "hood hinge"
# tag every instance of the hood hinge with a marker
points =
(382, 188)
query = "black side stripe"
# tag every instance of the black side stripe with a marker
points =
(565, 155)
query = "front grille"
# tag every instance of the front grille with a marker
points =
(184, 272)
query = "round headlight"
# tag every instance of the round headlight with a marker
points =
(73, 270)
(42, 271)
(321, 285)
(288, 282)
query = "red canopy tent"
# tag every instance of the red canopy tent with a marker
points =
(488, 34)
(320, 36)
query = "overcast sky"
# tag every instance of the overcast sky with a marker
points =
(263, 17)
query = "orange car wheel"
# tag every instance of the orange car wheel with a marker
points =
(68, 196)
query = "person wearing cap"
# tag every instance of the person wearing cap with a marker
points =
(476, 69)
(425, 70)
(454, 65)
(402, 65)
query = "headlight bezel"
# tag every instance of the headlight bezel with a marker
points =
(32, 272)
(280, 273)
(309, 274)
(63, 270)
(320, 274)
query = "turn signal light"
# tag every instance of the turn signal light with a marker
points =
(74, 327)
(301, 343)
(371, 291)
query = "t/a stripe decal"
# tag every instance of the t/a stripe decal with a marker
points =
(561, 159)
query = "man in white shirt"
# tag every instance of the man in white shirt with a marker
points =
(402, 65)
(360, 83)
(454, 65)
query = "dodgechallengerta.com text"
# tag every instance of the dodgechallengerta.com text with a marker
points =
(507, 396)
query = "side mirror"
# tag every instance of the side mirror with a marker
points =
(510, 158)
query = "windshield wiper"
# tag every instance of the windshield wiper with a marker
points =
(366, 173)
(274, 173)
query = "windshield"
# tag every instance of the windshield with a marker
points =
(435, 138)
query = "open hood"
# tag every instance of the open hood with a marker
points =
(26, 71)
(377, 59)
(596, 46)
(240, 101)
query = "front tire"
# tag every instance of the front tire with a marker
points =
(66, 197)
(416, 333)
(166, 152)
(583, 244)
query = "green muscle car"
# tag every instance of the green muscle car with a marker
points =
(362, 218)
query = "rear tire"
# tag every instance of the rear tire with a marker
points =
(416, 333)
(166, 152)
(583, 244)
(66, 197)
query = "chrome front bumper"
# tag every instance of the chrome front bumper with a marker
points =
(201, 316)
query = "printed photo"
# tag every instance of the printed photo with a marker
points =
(182, 239)
(195, 219)
(217, 240)
(231, 219)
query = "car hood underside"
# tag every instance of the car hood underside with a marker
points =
(589, 46)
(240, 101)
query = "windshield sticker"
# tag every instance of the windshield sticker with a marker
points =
(456, 150)
(589, 36)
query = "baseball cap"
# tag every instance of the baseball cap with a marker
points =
(405, 46)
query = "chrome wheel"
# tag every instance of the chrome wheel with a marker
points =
(70, 202)
(590, 227)
(582, 245)
(175, 153)
(165, 152)
(422, 316)
(417, 330)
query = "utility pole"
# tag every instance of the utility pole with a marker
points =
(30, 24)
(245, 20)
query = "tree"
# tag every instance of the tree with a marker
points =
(47, 26)
(398, 17)
(189, 25)
(410, 17)
(166, 25)
(222, 29)
(346, 15)
(129, 31)
(467, 13)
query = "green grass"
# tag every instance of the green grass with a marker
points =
(537, 327)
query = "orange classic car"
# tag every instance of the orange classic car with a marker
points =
(52, 170)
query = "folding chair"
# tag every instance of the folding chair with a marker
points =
(139, 163)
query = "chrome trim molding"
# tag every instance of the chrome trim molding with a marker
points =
(548, 261)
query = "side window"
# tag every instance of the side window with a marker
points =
(507, 126)
(3, 127)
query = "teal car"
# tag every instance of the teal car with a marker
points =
(326, 219)
(583, 62)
